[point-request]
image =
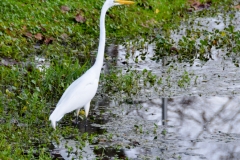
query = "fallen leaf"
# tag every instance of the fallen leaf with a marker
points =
(28, 34)
(65, 9)
(48, 40)
(24, 28)
(157, 11)
(80, 18)
(39, 36)
(237, 7)
(197, 5)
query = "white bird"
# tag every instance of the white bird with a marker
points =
(82, 90)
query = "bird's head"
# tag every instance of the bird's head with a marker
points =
(111, 3)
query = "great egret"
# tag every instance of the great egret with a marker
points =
(82, 90)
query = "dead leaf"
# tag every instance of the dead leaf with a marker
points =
(174, 49)
(28, 34)
(65, 9)
(24, 28)
(237, 7)
(80, 18)
(197, 5)
(48, 40)
(39, 36)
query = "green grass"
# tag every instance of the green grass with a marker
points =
(22, 20)
(27, 96)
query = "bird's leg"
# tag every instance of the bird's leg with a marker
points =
(86, 124)
(86, 108)
(77, 116)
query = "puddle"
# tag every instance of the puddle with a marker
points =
(197, 128)
(202, 117)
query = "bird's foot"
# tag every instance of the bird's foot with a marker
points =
(86, 125)
(75, 122)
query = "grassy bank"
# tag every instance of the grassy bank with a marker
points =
(24, 24)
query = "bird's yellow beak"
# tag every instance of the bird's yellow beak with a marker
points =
(124, 2)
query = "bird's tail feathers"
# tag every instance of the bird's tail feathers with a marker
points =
(54, 124)
(54, 117)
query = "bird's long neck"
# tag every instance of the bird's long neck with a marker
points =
(102, 39)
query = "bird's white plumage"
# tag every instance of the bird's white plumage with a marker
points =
(80, 93)
(88, 81)
(77, 95)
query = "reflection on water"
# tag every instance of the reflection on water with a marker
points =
(208, 115)
(198, 128)
(164, 111)
(209, 126)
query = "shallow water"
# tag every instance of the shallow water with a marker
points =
(202, 117)
(197, 128)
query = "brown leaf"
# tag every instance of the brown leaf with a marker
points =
(24, 28)
(174, 49)
(80, 18)
(39, 36)
(197, 5)
(28, 34)
(237, 7)
(65, 9)
(48, 40)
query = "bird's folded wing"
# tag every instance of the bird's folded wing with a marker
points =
(78, 94)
